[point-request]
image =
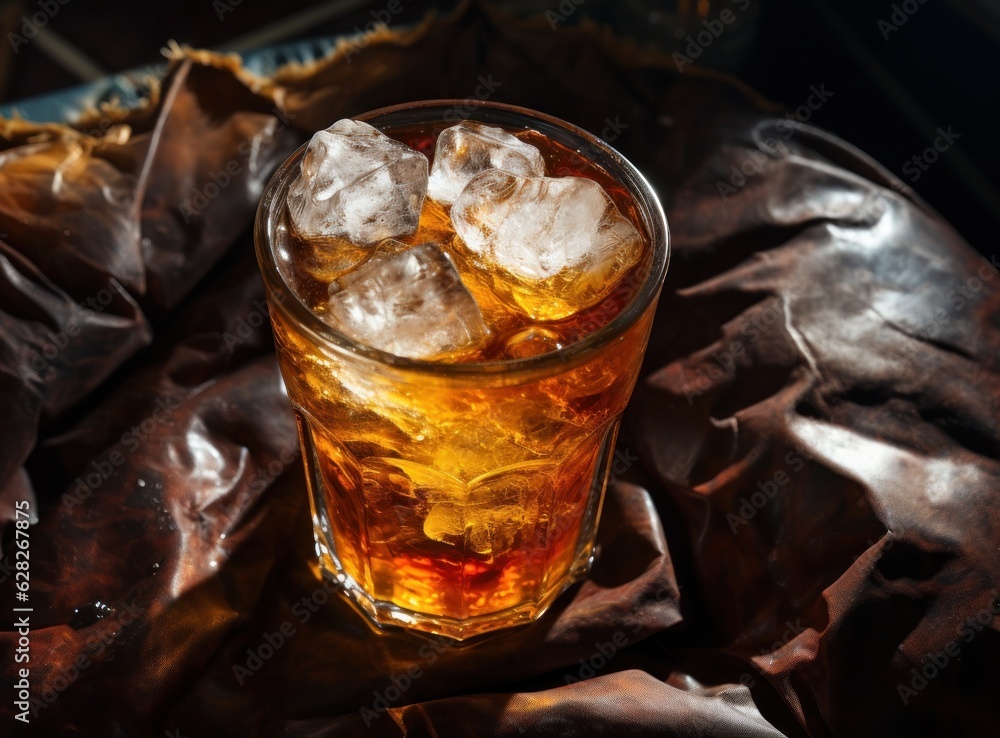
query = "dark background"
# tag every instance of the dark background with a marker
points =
(893, 85)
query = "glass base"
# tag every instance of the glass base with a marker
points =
(382, 614)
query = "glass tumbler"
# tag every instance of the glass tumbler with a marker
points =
(461, 498)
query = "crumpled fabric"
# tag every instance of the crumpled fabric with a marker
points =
(801, 535)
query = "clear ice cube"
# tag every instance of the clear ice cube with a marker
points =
(558, 245)
(466, 149)
(410, 303)
(496, 513)
(357, 183)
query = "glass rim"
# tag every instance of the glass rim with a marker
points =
(623, 171)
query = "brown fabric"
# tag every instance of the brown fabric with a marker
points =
(817, 430)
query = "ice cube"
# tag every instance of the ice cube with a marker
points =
(465, 150)
(410, 303)
(499, 512)
(357, 183)
(555, 245)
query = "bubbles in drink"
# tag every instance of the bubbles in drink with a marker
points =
(532, 341)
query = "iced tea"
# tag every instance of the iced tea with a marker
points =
(456, 475)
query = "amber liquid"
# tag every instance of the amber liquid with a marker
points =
(458, 504)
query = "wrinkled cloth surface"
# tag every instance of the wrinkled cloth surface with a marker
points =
(802, 535)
